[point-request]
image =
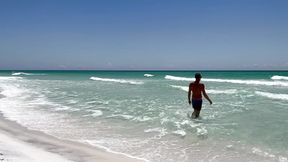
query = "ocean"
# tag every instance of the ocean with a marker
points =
(143, 114)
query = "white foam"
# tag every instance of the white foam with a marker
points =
(96, 113)
(273, 95)
(148, 75)
(3, 78)
(170, 77)
(180, 132)
(11, 91)
(258, 151)
(59, 107)
(184, 88)
(202, 132)
(91, 142)
(278, 77)
(235, 81)
(127, 117)
(142, 118)
(155, 130)
(211, 91)
(162, 131)
(116, 80)
(282, 159)
(17, 98)
(22, 73)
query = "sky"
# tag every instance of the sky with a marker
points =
(144, 34)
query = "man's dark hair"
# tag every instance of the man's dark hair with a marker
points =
(198, 75)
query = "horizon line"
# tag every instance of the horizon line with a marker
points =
(143, 70)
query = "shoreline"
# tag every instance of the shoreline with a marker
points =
(36, 145)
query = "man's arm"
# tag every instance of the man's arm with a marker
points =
(205, 95)
(189, 94)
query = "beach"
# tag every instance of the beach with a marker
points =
(18, 144)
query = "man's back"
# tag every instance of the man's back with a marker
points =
(196, 89)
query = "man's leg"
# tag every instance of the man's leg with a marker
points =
(195, 113)
(197, 105)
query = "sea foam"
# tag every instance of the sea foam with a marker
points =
(22, 73)
(235, 81)
(148, 75)
(273, 95)
(116, 80)
(278, 77)
(11, 91)
(4, 78)
(96, 113)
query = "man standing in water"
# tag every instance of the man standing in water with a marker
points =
(197, 89)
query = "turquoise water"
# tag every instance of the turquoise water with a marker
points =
(144, 113)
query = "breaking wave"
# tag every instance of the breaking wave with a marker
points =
(278, 77)
(10, 78)
(116, 80)
(148, 75)
(273, 95)
(170, 77)
(235, 81)
(22, 73)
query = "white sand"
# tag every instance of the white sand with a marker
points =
(18, 144)
(19, 151)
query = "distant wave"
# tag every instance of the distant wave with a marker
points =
(148, 75)
(22, 73)
(278, 77)
(116, 80)
(273, 95)
(236, 81)
(170, 77)
(211, 91)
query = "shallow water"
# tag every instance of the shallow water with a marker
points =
(144, 113)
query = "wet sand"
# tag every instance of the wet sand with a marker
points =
(18, 144)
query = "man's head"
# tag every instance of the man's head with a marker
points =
(198, 76)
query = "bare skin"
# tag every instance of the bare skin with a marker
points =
(197, 89)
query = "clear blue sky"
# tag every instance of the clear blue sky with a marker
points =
(144, 34)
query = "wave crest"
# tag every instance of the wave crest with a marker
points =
(116, 80)
(278, 77)
(234, 81)
(9, 78)
(22, 73)
(170, 77)
(148, 75)
(272, 95)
